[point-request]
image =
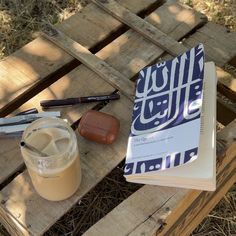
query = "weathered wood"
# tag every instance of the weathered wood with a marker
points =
(172, 12)
(157, 219)
(195, 201)
(210, 203)
(128, 216)
(141, 52)
(79, 82)
(12, 81)
(218, 43)
(196, 207)
(41, 61)
(222, 36)
(188, 205)
(10, 157)
(98, 160)
(146, 29)
(104, 70)
(153, 224)
(204, 200)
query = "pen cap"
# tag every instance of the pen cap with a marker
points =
(99, 127)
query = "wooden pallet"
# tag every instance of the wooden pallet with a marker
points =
(95, 52)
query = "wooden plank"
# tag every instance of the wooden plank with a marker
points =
(186, 206)
(171, 12)
(191, 205)
(124, 56)
(146, 29)
(157, 223)
(91, 28)
(202, 200)
(40, 60)
(210, 204)
(222, 35)
(226, 84)
(219, 44)
(10, 77)
(157, 219)
(10, 160)
(130, 213)
(104, 70)
(79, 82)
(142, 52)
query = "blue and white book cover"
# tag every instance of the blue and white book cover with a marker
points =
(165, 127)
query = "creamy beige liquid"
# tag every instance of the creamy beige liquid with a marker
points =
(59, 183)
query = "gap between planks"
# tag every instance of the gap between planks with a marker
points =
(226, 84)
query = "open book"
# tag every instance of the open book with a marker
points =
(173, 138)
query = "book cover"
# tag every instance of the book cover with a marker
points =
(165, 127)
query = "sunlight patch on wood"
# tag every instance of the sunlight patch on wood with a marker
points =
(155, 17)
(47, 50)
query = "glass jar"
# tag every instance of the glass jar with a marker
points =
(56, 174)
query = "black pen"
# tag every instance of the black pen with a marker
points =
(78, 100)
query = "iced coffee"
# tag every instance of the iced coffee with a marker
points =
(53, 163)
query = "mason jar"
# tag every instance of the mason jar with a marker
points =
(54, 167)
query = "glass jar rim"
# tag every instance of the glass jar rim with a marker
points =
(63, 124)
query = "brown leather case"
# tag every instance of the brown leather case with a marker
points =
(99, 127)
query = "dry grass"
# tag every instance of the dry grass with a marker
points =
(20, 20)
(220, 11)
